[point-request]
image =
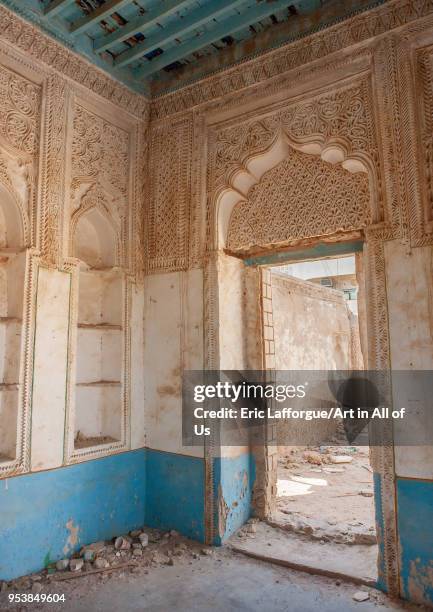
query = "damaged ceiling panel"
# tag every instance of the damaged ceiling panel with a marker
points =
(161, 45)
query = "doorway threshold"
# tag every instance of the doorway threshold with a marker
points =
(352, 563)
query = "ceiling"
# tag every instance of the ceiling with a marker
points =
(155, 46)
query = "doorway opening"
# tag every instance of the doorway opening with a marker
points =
(324, 513)
(325, 485)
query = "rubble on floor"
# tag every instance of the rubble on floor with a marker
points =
(326, 493)
(132, 552)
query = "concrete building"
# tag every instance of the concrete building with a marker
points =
(156, 159)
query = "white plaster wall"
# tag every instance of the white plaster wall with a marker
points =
(50, 355)
(231, 313)
(312, 332)
(173, 333)
(138, 388)
(239, 326)
(409, 275)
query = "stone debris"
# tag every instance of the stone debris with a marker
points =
(89, 555)
(62, 565)
(133, 552)
(144, 539)
(76, 565)
(312, 457)
(122, 543)
(340, 459)
(361, 596)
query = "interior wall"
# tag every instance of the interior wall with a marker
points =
(68, 153)
(339, 110)
(312, 331)
(311, 326)
(367, 107)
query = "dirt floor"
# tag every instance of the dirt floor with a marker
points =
(327, 500)
(175, 574)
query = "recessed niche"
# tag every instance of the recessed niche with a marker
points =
(12, 273)
(99, 350)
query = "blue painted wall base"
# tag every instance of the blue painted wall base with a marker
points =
(45, 516)
(415, 519)
(175, 493)
(233, 488)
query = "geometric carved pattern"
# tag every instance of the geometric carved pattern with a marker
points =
(169, 196)
(301, 197)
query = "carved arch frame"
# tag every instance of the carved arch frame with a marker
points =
(85, 193)
(254, 139)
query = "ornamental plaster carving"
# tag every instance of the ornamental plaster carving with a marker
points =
(424, 66)
(170, 188)
(20, 102)
(43, 48)
(52, 179)
(301, 197)
(358, 29)
(100, 150)
(337, 125)
(253, 170)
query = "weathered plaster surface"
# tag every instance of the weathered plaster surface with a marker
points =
(51, 346)
(75, 163)
(173, 342)
(410, 303)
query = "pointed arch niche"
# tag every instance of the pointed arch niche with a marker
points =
(293, 192)
(13, 238)
(99, 390)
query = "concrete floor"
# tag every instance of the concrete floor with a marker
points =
(223, 581)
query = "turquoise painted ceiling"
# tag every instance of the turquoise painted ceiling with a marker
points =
(162, 44)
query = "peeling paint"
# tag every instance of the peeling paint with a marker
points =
(420, 581)
(72, 540)
(223, 511)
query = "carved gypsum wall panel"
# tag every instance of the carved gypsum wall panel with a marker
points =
(100, 164)
(170, 191)
(100, 150)
(300, 198)
(140, 198)
(425, 76)
(20, 125)
(52, 181)
(44, 49)
(20, 102)
(342, 118)
(349, 32)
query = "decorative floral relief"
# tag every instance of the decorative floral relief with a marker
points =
(100, 151)
(301, 197)
(19, 112)
(344, 114)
